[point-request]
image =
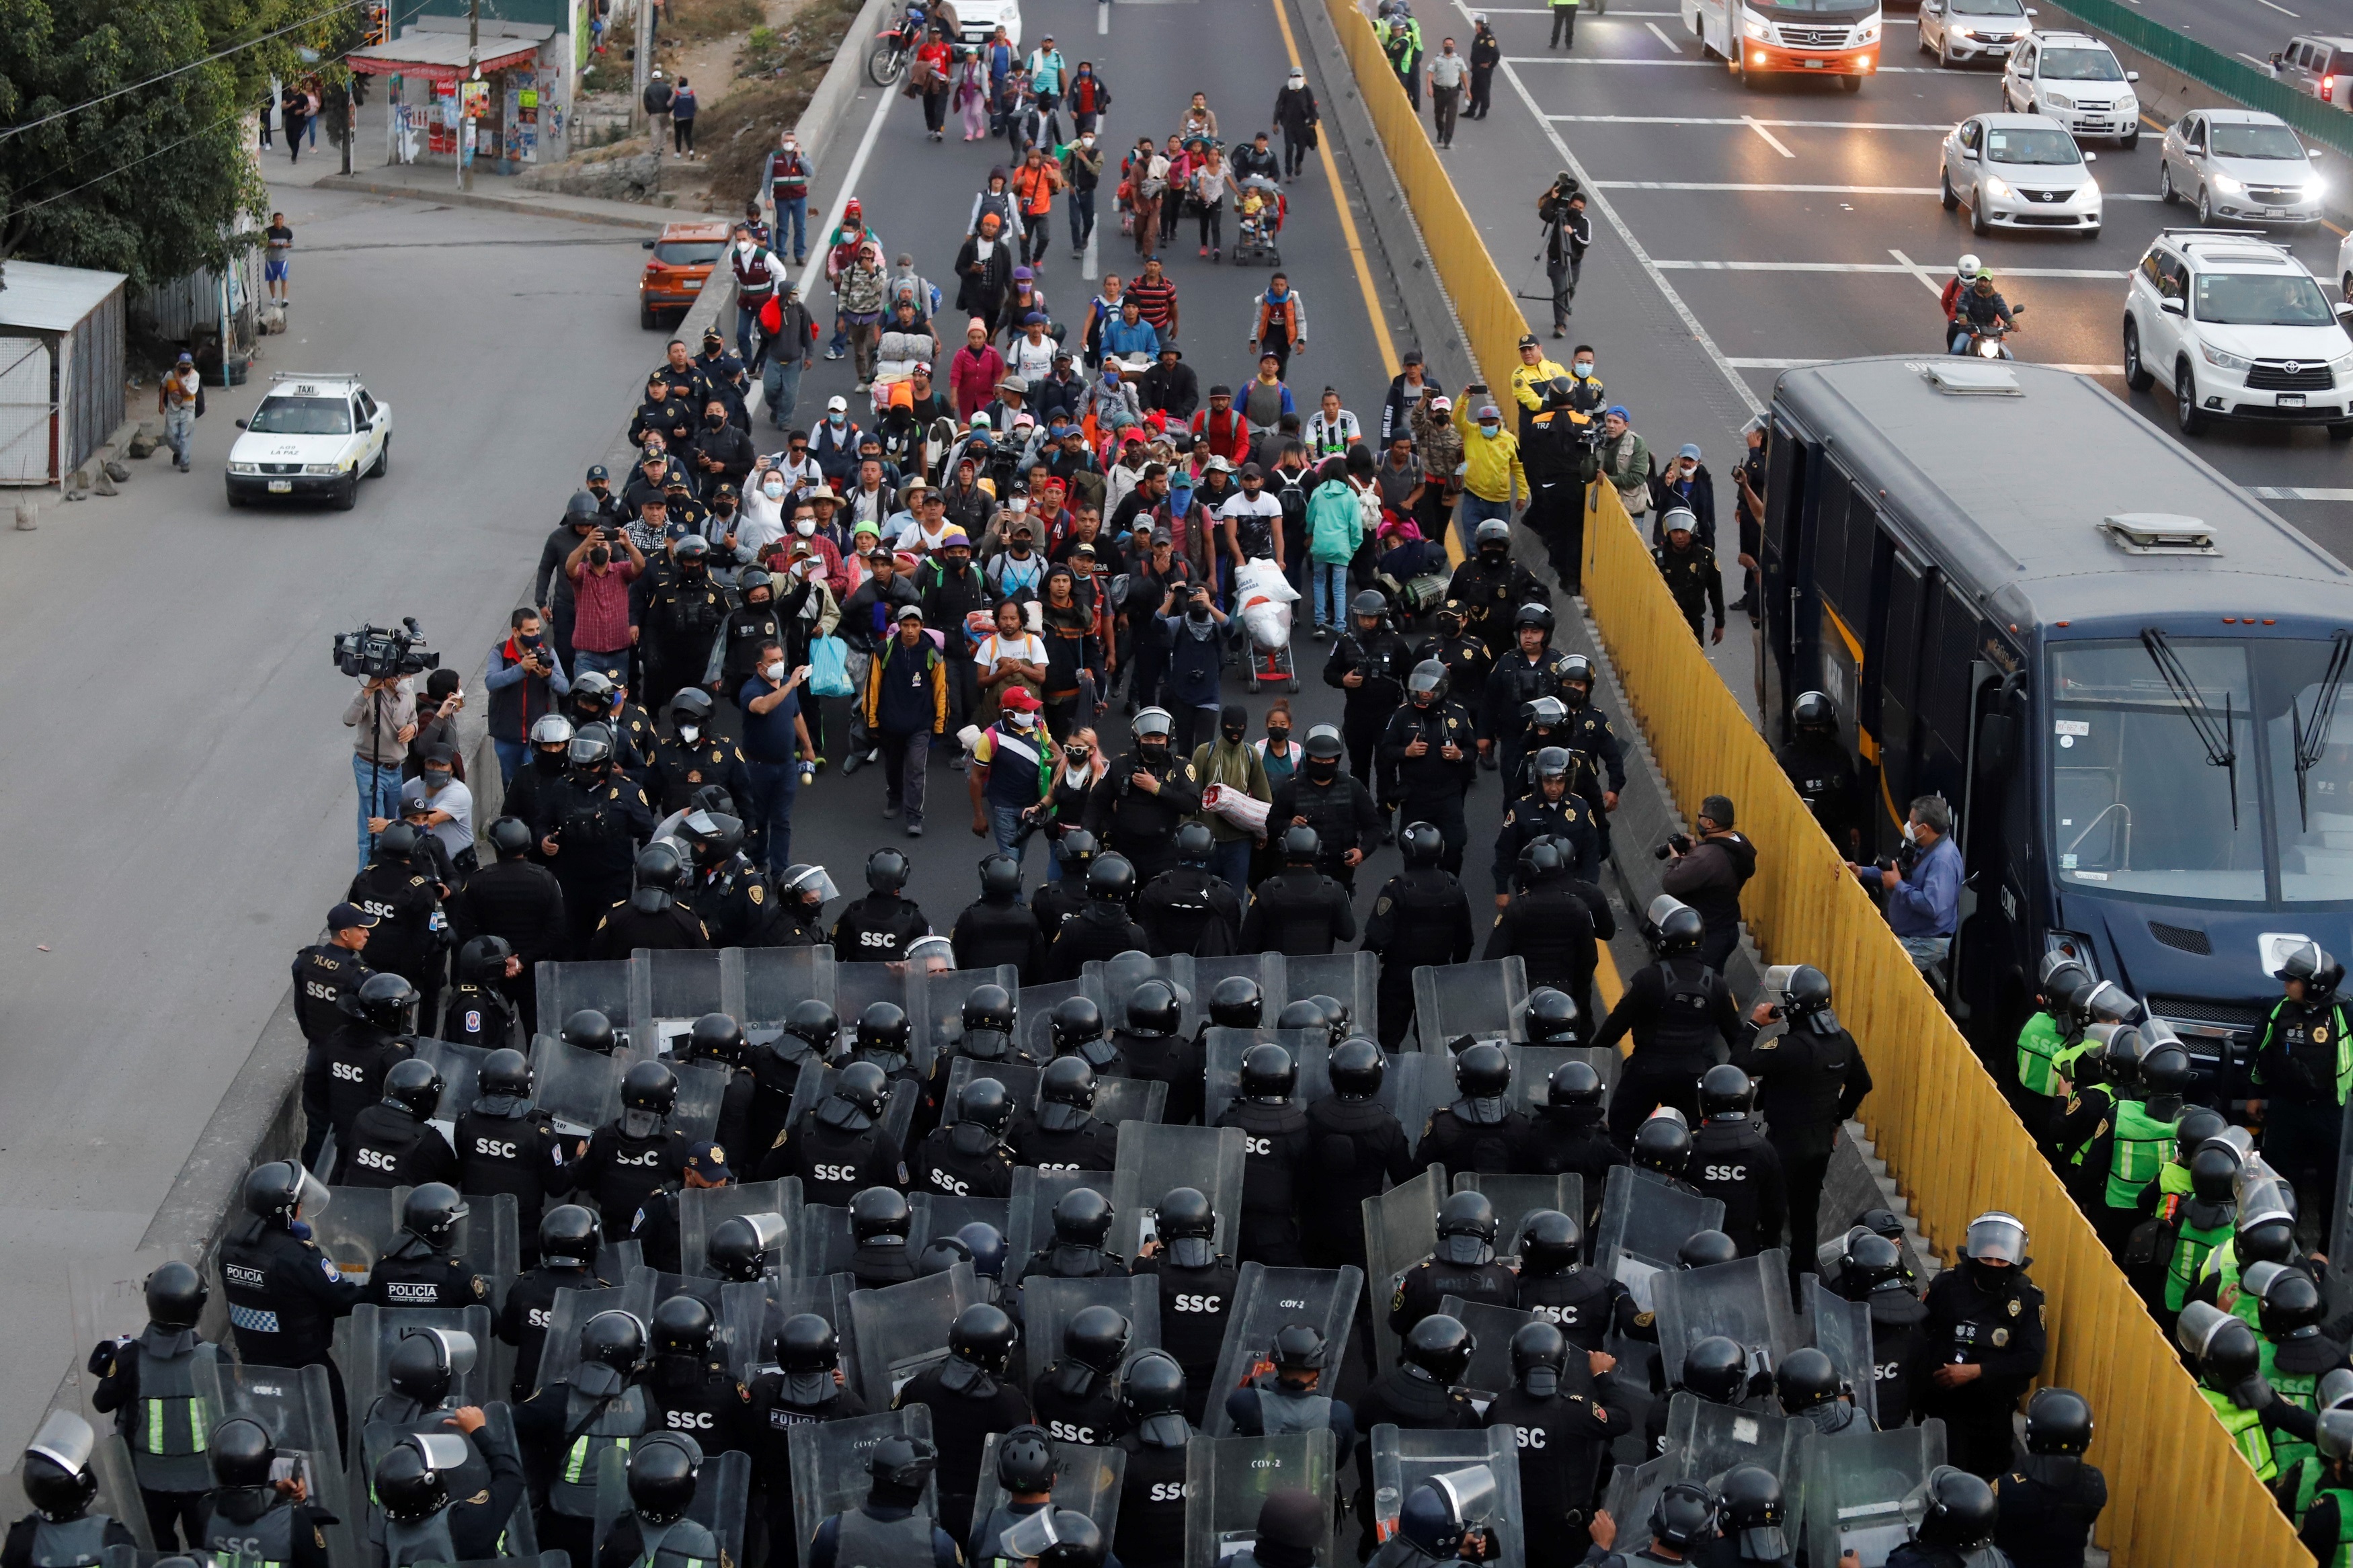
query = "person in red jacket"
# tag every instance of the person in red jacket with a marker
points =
(1964, 276)
(1221, 428)
(976, 370)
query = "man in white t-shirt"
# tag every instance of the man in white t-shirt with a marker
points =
(1253, 520)
(1031, 355)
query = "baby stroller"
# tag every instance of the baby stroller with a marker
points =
(1259, 220)
(1263, 598)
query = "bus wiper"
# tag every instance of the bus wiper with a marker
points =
(2312, 737)
(2212, 733)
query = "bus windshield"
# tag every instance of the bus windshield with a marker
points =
(2163, 787)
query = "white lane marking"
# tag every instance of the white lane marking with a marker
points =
(1657, 33)
(1734, 186)
(849, 187)
(1751, 119)
(1885, 267)
(1918, 271)
(1102, 17)
(2294, 492)
(1091, 268)
(2075, 369)
(1611, 215)
(1771, 139)
(1646, 60)
(2281, 9)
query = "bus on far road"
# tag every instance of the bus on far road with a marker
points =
(1794, 37)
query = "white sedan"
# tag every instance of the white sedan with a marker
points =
(2020, 171)
(314, 436)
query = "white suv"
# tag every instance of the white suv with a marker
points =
(2239, 329)
(2075, 79)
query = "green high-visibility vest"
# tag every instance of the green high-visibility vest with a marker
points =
(2343, 1556)
(2246, 1430)
(2141, 1147)
(2063, 1060)
(2344, 1045)
(2192, 1244)
(2222, 1264)
(2299, 1389)
(2038, 1043)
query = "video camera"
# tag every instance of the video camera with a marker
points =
(373, 652)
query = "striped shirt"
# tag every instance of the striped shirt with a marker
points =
(1154, 301)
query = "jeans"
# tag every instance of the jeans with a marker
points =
(747, 320)
(682, 133)
(1082, 217)
(379, 795)
(1926, 951)
(1231, 862)
(1213, 223)
(904, 760)
(769, 822)
(615, 664)
(512, 754)
(794, 210)
(780, 385)
(1330, 595)
(180, 434)
(1005, 831)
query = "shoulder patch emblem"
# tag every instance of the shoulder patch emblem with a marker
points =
(755, 893)
(1644, 1319)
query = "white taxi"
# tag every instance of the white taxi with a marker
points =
(316, 435)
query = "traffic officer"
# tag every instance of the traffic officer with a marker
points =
(566, 1244)
(1465, 658)
(1299, 910)
(1551, 809)
(150, 1384)
(1822, 771)
(995, 929)
(968, 1401)
(1570, 1131)
(803, 1387)
(507, 1144)
(636, 1151)
(344, 1074)
(1369, 663)
(1463, 1265)
(1599, 761)
(693, 755)
(1189, 909)
(589, 821)
(1731, 1160)
(1421, 916)
(1076, 1397)
(284, 1294)
(1985, 1334)
(1557, 1288)
(651, 916)
(1339, 809)
(839, 1147)
(1693, 579)
(1356, 1149)
(250, 1516)
(1157, 1392)
(480, 1013)
(2192, 1226)
(411, 932)
(1065, 1135)
(1564, 1431)
(2304, 1067)
(1153, 1046)
(1557, 922)
(1480, 1131)
(1198, 1284)
(1276, 1145)
(327, 972)
(394, 1142)
(520, 901)
(1529, 670)
(967, 1158)
(1102, 928)
(1811, 1077)
(1429, 748)
(421, 1267)
(1676, 1009)
(1489, 585)
(2141, 1138)
(2051, 1497)
(881, 926)
(1421, 1394)
(1135, 810)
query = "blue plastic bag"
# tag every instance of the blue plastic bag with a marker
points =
(828, 667)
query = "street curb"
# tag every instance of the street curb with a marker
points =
(620, 216)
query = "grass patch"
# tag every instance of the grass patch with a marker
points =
(699, 21)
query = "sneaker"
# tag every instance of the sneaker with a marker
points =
(1323, 634)
(914, 830)
(890, 809)
(851, 764)
(1487, 761)
(837, 354)
(1204, 250)
(1217, 255)
(1558, 333)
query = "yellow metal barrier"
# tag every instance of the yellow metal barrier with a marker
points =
(2181, 1497)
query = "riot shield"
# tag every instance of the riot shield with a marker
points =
(937, 1215)
(722, 1488)
(377, 1438)
(1849, 1192)
(1019, 1081)
(118, 1494)
(701, 1209)
(1155, 1160)
(1856, 1484)
(1229, 1479)
(1350, 979)
(822, 1241)
(1403, 1460)
(935, 1001)
(1048, 1305)
(608, 985)
(355, 1227)
(365, 1340)
(1086, 1478)
(740, 1308)
(828, 1297)
(1119, 1099)
(1745, 1300)
(1400, 1230)
(1634, 1493)
(489, 1239)
(580, 1090)
(857, 987)
(1488, 999)
(1490, 1373)
(1033, 1029)
(1516, 1197)
(902, 1329)
(1268, 1300)
(1116, 976)
(1705, 1439)
(828, 1470)
(298, 1410)
(1264, 968)
(567, 1316)
(817, 1083)
(772, 979)
(1842, 1331)
(461, 1067)
(673, 988)
(1643, 1222)
(1222, 1050)
(1401, 1092)
(1030, 1213)
(108, 1297)
(701, 1092)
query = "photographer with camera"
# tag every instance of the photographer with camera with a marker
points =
(1708, 873)
(526, 681)
(1922, 884)
(602, 634)
(1567, 230)
(382, 717)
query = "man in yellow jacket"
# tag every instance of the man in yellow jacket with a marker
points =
(906, 703)
(1494, 482)
(1530, 377)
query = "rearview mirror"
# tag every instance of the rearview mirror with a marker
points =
(240, 424)
(2344, 308)
(645, 245)
(2171, 307)
(2132, 75)
(2091, 157)
(1970, 154)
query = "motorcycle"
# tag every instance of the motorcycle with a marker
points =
(1987, 341)
(887, 56)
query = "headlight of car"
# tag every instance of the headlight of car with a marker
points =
(245, 467)
(2216, 357)
(2342, 362)
(1757, 28)
(1869, 33)
(320, 467)
(2227, 186)
(1996, 188)
(2058, 101)
(2088, 192)
(2314, 189)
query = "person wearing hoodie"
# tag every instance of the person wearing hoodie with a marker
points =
(1336, 529)
(1707, 872)
(1229, 759)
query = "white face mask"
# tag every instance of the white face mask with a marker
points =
(805, 526)
(774, 490)
(1911, 833)
(689, 733)
(1584, 369)
(1022, 721)
(775, 671)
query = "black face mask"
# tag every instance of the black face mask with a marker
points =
(1153, 750)
(600, 490)
(1323, 769)
(690, 569)
(549, 761)
(529, 642)
(723, 509)
(714, 420)
(1275, 737)
(600, 556)
(1235, 733)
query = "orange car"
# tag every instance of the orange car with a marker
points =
(684, 256)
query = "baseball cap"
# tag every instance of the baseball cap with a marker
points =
(1221, 390)
(1412, 356)
(1022, 275)
(1018, 698)
(922, 367)
(1019, 384)
(1528, 340)
(1489, 411)
(597, 471)
(837, 403)
(910, 611)
(187, 358)
(1690, 449)
(342, 917)
(980, 421)
(1252, 471)
(1218, 464)
(1442, 405)
(1034, 318)
(1618, 409)
(708, 1161)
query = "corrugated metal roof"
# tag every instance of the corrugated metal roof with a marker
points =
(52, 298)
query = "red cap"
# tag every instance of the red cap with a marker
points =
(1019, 700)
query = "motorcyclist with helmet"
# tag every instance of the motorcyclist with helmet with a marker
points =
(1981, 313)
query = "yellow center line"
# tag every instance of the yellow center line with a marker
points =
(1348, 234)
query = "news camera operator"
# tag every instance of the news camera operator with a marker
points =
(382, 715)
(1707, 873)
(1922, 884)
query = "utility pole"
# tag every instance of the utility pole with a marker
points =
(641, 61)
(468, 133)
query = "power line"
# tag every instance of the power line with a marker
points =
(180, 70)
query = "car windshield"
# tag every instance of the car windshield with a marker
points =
(2233, 141)
(2146, 772)
(302, 417)
(2080, 65)
(2262, 300)
(1812, 7)
(1987, 8)
(689, 252)
(2038, 144)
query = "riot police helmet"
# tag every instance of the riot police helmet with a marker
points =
(1814, 713)
(1421, 844)
(1268, 1074)
(1716, 1369)
(1300, 846)
(1805, 1378)
(1684, 1516)
(987, 1104)
(1067, 1080)
(1440, 1346)
(1552, 1016)
(2058, 1421)
(1725, 1093)
(878, 1215)
(1663, 1143)
(650, 1088)
(1236, 1003)
(176, 1296)
(568, 1235)
(683, 1325)
(1111, 878)
(661, 1477)
(1153, 1009)
(1958, 1511)
(883, 1029)
(983, 1335)
(1574, 1083)
(386, 1001)
(1705, 1249)
(815, 1024)
(1551, 1242)
(1082, 1217)
(1098, 1336)
(1356, 1068)
(1539, 1356)
(1076, 1021)
(589, 1030)
(241, 1450)
(716, 1036)
(56, 1478)
(1482, 1070)
(887, 870)
(432, 1212)
(414, 1085)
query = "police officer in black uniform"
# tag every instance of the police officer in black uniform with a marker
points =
(716, 1041)
(1153, 1046)
(284, 1294)
(480, 1013)
(1599, 770)
(1564, 1430)
(250, 1516)
(880, 1221)
(421, 1267)
(690, 1388)
(1276, 1145)
(1569, 1131)
(803, 1388)
(841, 1147)
(801, 895)
(1693, 579)
(1466, 660)
(996, 929)
(394, 1142)
(656, 1229)
(1196, 1289)
(327, 972)
(1102, 928)
(1871, 1270)
(1066, 1135)
(1985, 1336)
(1421, 1394)
(1529, 670)
(1429, 748)
(1355, 1150)
(879, 927)
(1586, 1304)
(1056, 902)
(410, 936)
(1421, 916)
(1676, 1008)
(1480, 1131)
(1187, 908)
(1819, 766)
(1299, 910)
(1156, 1393)
(1489, 585)
(1551, 809)
(1959, 1516)
(1135, 810)
(567, 1242)
(968, 1400)
(1811, 1077)
(1081, 1220)
(518, 900)
(751, 622)
(506, 1144)
(681, 619)
(651, 916)
(738, 906)
(589, 822)
(1370, 662)
(693, 755)
(149, 1382)
(636, 1151)
(344, 1074)
(1555, 924)
(1731, 1160)
(2298, 1068)
(1076, 1397)
(1335, 804)
(1464, 1265)
(967, 1158)
(2051, 1497)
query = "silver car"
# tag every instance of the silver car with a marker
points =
(2318, 64)
(2240, 165)
(2020, 171)
(1961, 32)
